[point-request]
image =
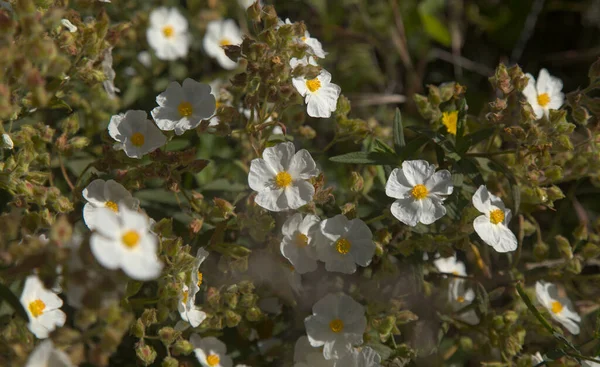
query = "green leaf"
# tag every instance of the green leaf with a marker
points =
(473, 139)
(13, 301)
(382, 147)
(177, 144)
(399, 142)
(434, 136)
(413, 146)
(375, 158)
(434, 27)
(514, 186)
(468, 167)
(534, 310)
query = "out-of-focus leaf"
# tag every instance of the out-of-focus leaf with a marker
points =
(222, 184)
(436, 29)
(13, 301)
(177, 144)
(514, 186)
(468, 167)
(375, 158)
(399, 142)
(474, 138)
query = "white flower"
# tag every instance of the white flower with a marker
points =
(187, 300)
(314, 46)
(42, 306)
(248, 3)
(590, 363)
(221, 33)
(320, 95)
(337, 323)
(7, 142)
(545, 95)
(70, 26)
(135, 134)
(366, 357)
(492, 226)
(305, 355)
(537, 359)
(46, 355)
(460, 296)
(101, 195)
(182, 108)
(420, 192)
(124, 242)
(344, 243)
(215, 90)
(298, 244)
(561, 309)
(109, 72)
(168, 33)
(450, 265)
(210, 351)
(306, 60)
(145, 58)
(281, 177)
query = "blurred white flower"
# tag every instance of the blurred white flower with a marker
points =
(590, 363)
(124, 241)
(109, 72)
(101, 195)
(187, 300)
(281, 177)
(183, 107)
(135, 134)
(450, 265)
(366, 357)
(42, 306)
(7, 142)
(168, 34)
(248, 3)
(461, 296)
(306, 60)
(305, 355)
(46, 355)
(70, 26)
(210, 351)
(544, 95)
(561, 309)
(492, 226)
(320, 95)
(420, 192)
(145, 58)
(345, 243)
(337, 323)
(299, 242)
(537, 359)
(314, 46)
(221, 33)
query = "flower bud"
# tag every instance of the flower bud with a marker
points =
(510, 317)
(555, 193)
(357, 183)
(574, 266)
(169, 362)
(466, 343)
(232, 319)
(498, 322)
(137, 329)
(253, 314)
(307, 132)
(182, 347)
(149, 317)
(540, 250)
(146, 354)
(167, 335)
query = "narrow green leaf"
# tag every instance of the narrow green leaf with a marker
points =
(413, 146)
(383, 147)
(533, 309)
(13, 301)
(374, 158)
(473, 139)
(468, 167)
(514, 186)
(399, 142)
(436, 29)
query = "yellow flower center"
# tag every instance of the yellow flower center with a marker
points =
(36, 308)
(168, 31)
(186, 296)
(343, 246)
(283, 179)
(460, 299)
(301, 240)
(112, 206)
(455, 272)
(336, 325)
(449, 119)
(199, 279)
(225, 42)
(496, 216)
(419, 192)
(131, 239)
(313, 85)
(137, 139)
(213, 360)
(543, 99)
(185, 109)
(303, 39)
(556, 307)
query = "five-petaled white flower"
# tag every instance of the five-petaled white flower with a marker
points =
(544, 95)
(210, 351)
(420, 192)
(221, 33)
(337, 323)
(366, 357)
(101, 195)
(135, 134)
(168, 33)
(42, 306)
(492, 226)
(561, 309)
(299, 242)
(125, 242)
(460, 296)
(187, 300)
(320, 95)
(305, 355)
(183, 107)
(46, 355)
(344, 243)
(281, 177)
(450, 265)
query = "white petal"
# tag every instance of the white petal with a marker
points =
(261, 174)
(280, 156)
(406, 211)
(440, 183)
(481, 200)
(417, 172)
(105, 251)
(302, 165)
(298, 194)
(291, 225)
(397, 185)
(273, 200)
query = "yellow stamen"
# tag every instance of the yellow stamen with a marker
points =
(112, 206)
(168, 31)
(450, 119)
(460, 299)
(343, 246)
(185, 109)
(313, 85)
(283, 179)
(137, 139)
(336, 325)
(36, 308)
(419, 192)
(225, 42)
(131, 239)
(496, 216)
(543, 99)
(213, 360)
(186, 296)
(556, 307)
(199, 279)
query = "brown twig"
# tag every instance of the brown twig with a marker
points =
(65, 174)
